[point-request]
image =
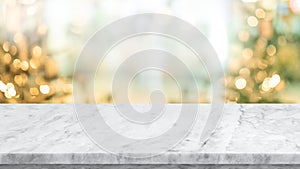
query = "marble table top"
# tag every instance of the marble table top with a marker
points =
(246, 134)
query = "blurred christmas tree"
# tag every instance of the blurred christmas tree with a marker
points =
(266, 54)
(27, 72)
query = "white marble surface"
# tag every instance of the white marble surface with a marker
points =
(247, 134)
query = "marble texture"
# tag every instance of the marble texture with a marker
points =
(145, 166)
(247, 134)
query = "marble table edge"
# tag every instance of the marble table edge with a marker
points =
(166, 158)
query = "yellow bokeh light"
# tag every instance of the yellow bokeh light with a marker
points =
(247, 53)
(245, 72)
(12, 92)
(45, 89)
(274, 81)
(13, 50)
(34, 63)
(266, 84)
(252, 21)
(6, 46)
(36, 51)
(17, 63)
(10, 85)
(6, 58)
(240, 83)
(271, 50)
(24, 65)
(260, 13)
(34, 91)
(3, 87)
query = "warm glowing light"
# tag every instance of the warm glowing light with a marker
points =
(13, 50)
(18, 79)
(34, 63)
(260, 76)
(7, 95)
(21, 79)
(274, 81)
(36, 51)
(252, 21)
(6, 46)
(6, 58)
(10, 85)
(245, 72)
(34, 91)
(24, 65)
(17, 63)
(3, 87)
(260, 13)
(271, 50)
(12, 92)
(247, 53)
(45, 89)
(266, 84)
(240, 83)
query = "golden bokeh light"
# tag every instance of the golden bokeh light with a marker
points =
(34, 91)
(36, 51)
(6, 58)
(44, 89)
(247, 53)
(252, 21)
(260, 13)
(17, 63)
(274, 81)
(3, 87)
(24, 65)
(271, 50)
(240, 83)
(6, 46)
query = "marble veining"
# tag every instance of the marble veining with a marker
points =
(247, 134)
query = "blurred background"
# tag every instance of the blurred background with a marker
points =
(257, 42)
